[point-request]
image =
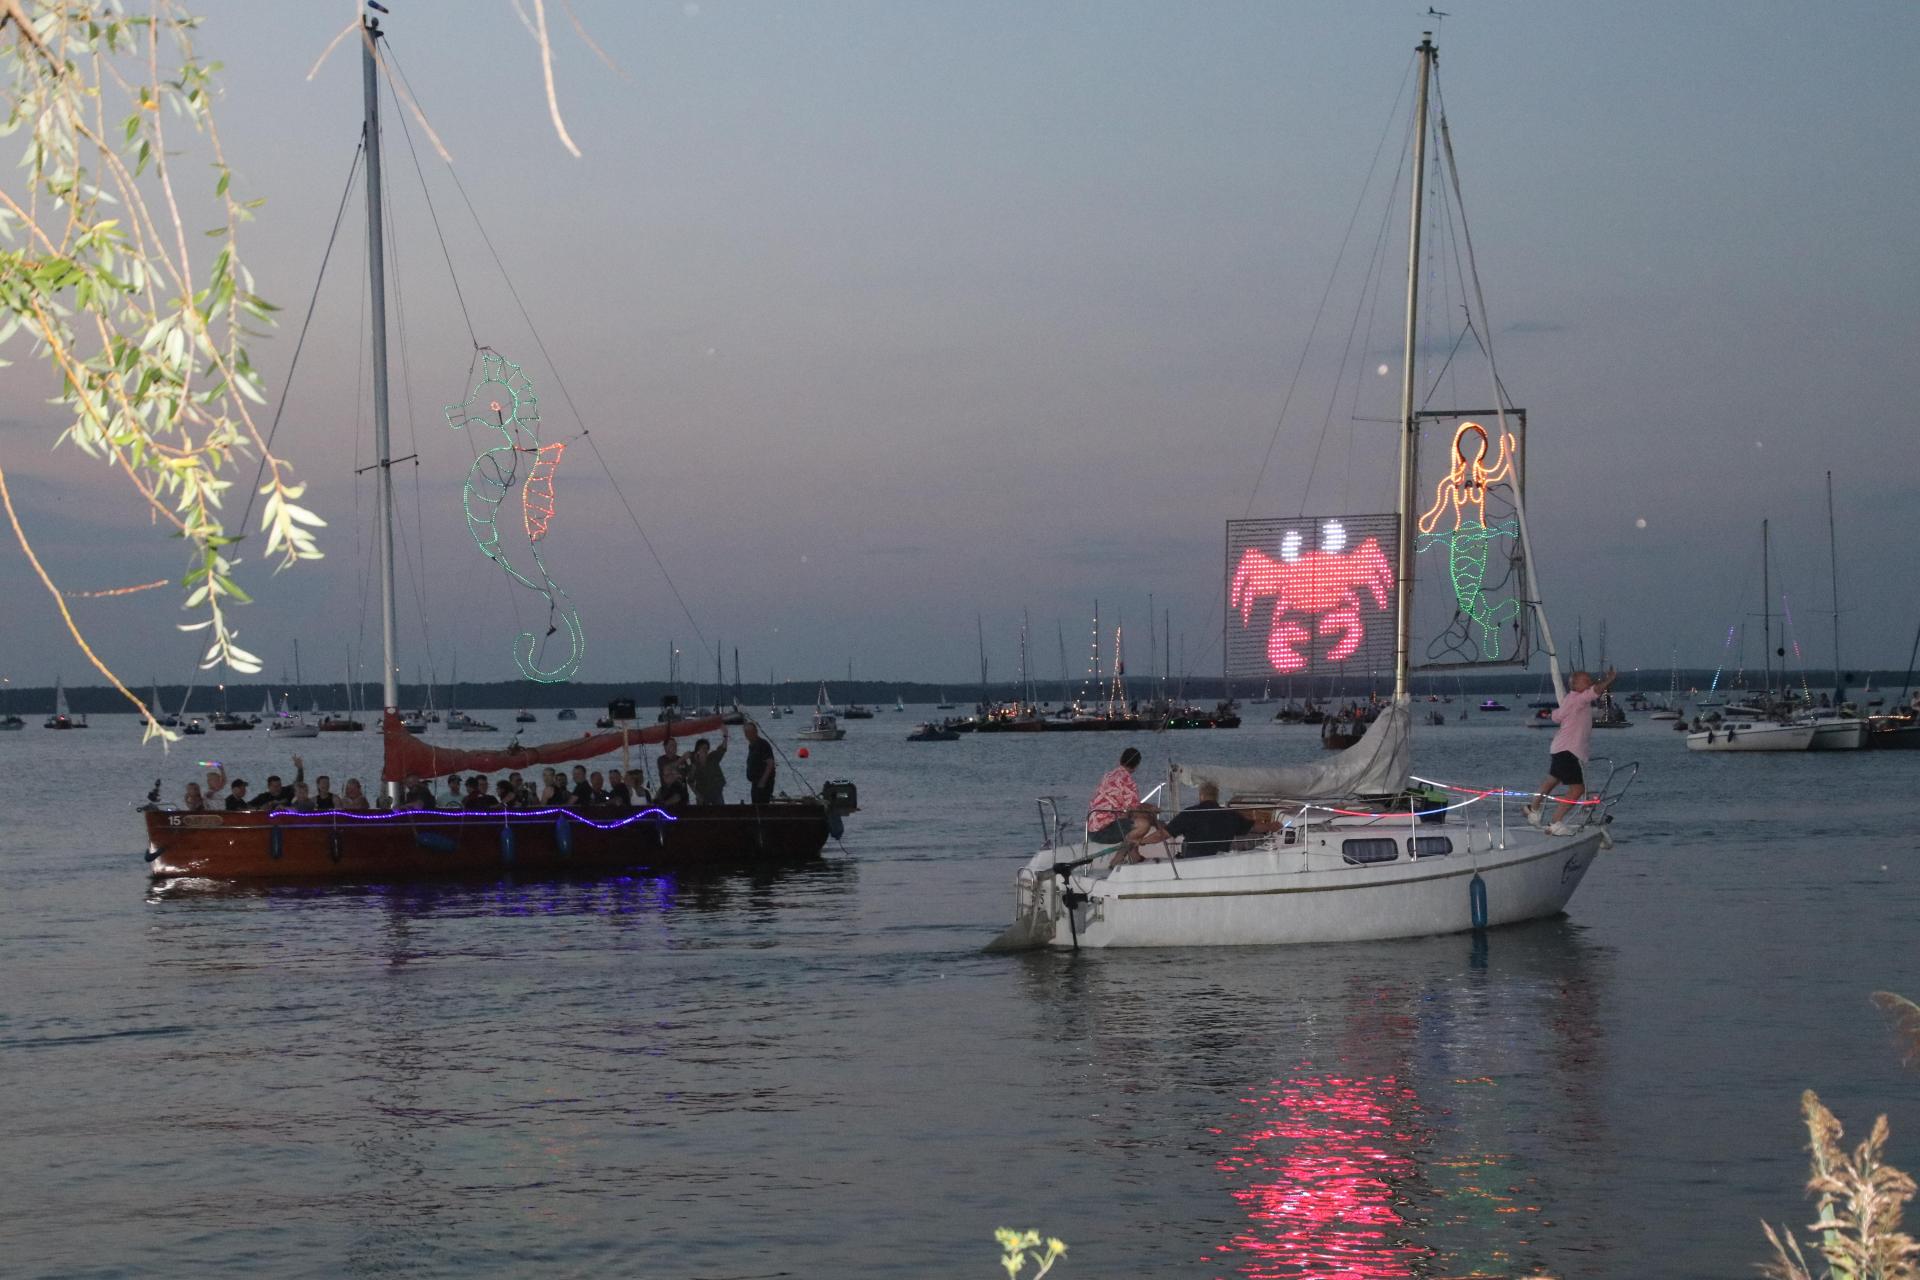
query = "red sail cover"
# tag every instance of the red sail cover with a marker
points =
(408, 756)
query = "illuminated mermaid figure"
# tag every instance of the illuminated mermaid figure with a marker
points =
(1469, 542)
(505, 404)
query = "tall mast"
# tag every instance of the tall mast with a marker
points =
(377, 285)
(1833, 571)
(1766, 613)
(1409, 425)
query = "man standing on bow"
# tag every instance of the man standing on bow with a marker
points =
(1572, 745)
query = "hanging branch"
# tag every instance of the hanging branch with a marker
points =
(146, 338)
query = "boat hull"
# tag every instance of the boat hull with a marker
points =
(1276, 896)
(1841, 734)
(1752, 737)
(452, 843)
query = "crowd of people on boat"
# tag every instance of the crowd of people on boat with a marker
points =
(695, 777)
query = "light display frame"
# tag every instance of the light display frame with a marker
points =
(1470, 575)
(1311, 596)
(503, 402)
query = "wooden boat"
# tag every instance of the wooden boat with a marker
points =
(410, 844)
(402, 843)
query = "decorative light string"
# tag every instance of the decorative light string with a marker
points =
(446, 818)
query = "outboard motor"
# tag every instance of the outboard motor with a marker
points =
(840, 796)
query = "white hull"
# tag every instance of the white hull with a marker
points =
(1305, 893)
(1742, 735)
(293, 731)
(1842, 733)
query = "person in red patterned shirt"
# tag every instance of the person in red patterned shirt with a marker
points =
(1113, 800)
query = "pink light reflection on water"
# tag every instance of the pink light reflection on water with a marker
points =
(1317, 1175)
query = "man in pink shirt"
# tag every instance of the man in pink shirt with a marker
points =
(1572, 744)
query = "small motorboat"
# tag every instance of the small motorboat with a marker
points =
(566, 713)
(933, 733)
(825, 728)
(525, 717)
(1493, 704)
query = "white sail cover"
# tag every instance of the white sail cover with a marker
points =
(1376, 765)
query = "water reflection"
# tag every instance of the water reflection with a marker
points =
(602, 894)
(1388, 1110)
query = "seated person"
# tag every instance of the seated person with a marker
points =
(353, 798)
(237, 796)
(194, 802)
(1145, 838)
(1208, 828)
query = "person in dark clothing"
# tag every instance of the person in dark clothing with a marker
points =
(708, 783)
(237, 796)
(760, 765)
(582, 796)
(672, 768)
(619, 794)
(1208, 828)
(417, 795)
(323, 798)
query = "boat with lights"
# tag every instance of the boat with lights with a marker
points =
(397, 842)
(1356, 847)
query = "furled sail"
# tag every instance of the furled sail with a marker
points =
(1374, 766)
(407, 756)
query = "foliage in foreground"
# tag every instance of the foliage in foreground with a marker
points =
(1018, 1248)
(1859, 1196)
(144, 337)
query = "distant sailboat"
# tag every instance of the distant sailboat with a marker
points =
(60, 719)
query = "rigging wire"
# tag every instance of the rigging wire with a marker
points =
(1293, 383)
(586, 432)
(286, 387)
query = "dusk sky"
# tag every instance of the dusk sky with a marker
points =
(884, 314)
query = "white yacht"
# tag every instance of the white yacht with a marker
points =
(1359, 848)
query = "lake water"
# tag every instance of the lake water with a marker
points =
(819, 1074)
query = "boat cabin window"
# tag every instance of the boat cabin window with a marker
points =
(1362, 852)
(1429, 846)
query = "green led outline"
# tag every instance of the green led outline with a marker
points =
(1468, 550)
(495, 471)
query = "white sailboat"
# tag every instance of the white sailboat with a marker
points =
(1751, 728)
(60, 719)
(825, 726)
(288, 723)
(1356, 855)
(1839, 727)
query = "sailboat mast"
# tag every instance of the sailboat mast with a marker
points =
(1766, 613)
(1409, 425)
(1833, 572)
(377, 286)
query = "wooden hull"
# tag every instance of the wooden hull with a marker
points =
(454, 844)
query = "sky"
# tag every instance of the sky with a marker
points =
(886, 315)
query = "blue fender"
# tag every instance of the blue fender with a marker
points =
(1477, 901)
(506, 843)
(563, 834)
(274, 849)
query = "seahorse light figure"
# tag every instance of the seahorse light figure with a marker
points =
(503, 402)
(1469, 542)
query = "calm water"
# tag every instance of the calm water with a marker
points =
(819, 1074)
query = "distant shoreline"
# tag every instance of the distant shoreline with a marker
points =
(646, 694)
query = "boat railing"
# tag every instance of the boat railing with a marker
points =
(1054, 828)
